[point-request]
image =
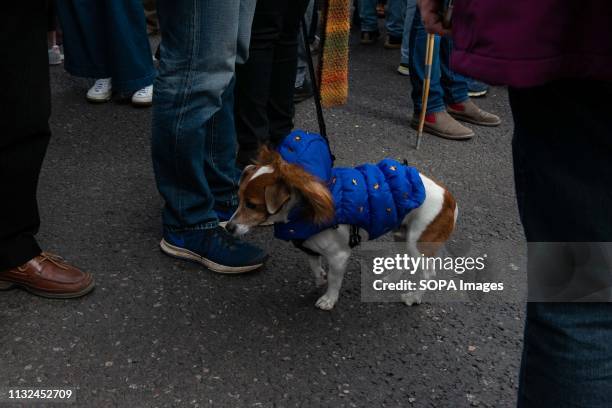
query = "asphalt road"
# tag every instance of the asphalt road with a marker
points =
(158, 332)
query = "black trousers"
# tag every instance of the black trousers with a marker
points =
(25, 106)
(562, 151)
(264, 106)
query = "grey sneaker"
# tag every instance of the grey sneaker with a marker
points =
(468, 112)
(55, 55)
(443, 125)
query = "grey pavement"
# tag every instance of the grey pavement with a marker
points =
(158, 332)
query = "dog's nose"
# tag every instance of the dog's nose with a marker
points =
(230, 227)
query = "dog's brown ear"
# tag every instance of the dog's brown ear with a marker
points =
(267, 156)
(276, 196)
(320, 205)
(320, 200)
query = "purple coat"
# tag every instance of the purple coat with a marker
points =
(525, 43)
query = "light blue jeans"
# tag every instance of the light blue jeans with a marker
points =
(194, 138)
(400, 17)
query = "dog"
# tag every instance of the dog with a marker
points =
(271, 189)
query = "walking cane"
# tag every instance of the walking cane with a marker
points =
(431, 42)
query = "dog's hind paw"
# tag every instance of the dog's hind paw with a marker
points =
(326, 302)
(412, 298)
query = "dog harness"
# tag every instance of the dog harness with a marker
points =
(373, 197)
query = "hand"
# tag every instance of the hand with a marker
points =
(430, 13)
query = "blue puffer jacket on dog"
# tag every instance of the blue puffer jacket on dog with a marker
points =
(375, 197)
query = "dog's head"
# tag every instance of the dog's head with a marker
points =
(269, 190)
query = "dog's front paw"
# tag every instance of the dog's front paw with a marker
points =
(412, 298)
(326, 302)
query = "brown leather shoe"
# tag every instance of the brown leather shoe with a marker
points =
(443, 125)
(468, 112)
(49, 276)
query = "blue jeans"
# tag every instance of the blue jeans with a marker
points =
(194, 138)
(400, 17)
(447, 87)
(411, 7)
(396, 10)
(567, 352)
(105, 39)
(367, 15)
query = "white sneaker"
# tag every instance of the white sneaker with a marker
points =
(55, 55)
(143, 97)
(101, 91)
(403, 69)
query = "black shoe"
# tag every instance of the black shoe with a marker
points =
(369, 37)
(303, 92)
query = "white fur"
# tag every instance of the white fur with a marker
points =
(241, 229)
(262, 170)
(317, 269)
(333, 245)
(418, 219)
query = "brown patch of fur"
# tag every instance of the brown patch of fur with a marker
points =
(255, 190)
(253, 193)
(318, 199)
(276, 196)
(440, 229)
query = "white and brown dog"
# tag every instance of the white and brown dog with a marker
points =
(270, 189)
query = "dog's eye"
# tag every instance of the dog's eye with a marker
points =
(250, 205)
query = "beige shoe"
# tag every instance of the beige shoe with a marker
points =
(443, 125)
(468, 112)
(393, 43)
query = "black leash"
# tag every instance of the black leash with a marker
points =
(315, 87)
(354, 237)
